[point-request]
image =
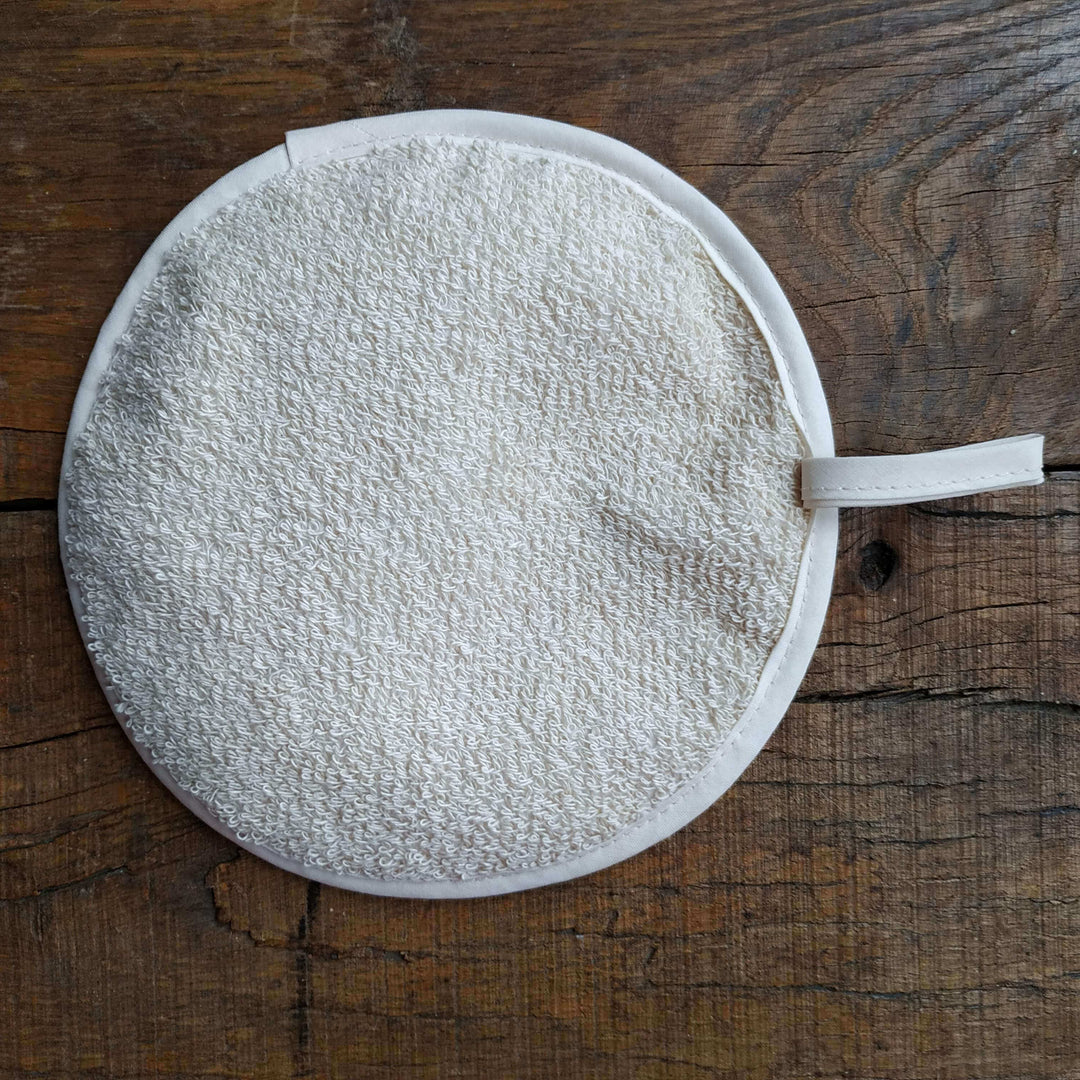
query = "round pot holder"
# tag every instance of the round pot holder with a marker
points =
(449, 504)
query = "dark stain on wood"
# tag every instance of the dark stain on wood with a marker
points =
(877, 564)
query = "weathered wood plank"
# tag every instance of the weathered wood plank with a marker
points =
(893, 889)
(908, 173)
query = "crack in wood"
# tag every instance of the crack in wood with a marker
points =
(74, 794)
(969, 697)
(188, 827)
(929, 510)
(956, 612)
(304, 998)
(107, 722)
(16, 506)
(75, 823)
(67, 886)
(895, 694)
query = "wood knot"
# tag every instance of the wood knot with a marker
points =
(877, 563)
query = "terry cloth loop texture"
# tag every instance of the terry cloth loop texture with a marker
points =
(436, 514)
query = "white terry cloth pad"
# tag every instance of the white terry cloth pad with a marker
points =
(431, 505)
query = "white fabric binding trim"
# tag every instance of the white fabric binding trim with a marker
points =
(891, 480)
(743, 268)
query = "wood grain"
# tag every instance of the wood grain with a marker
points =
(892, 891)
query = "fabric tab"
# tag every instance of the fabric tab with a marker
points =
(890, 480)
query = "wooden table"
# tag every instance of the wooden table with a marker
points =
(893, 889)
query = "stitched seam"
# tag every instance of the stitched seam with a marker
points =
(928, 485)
